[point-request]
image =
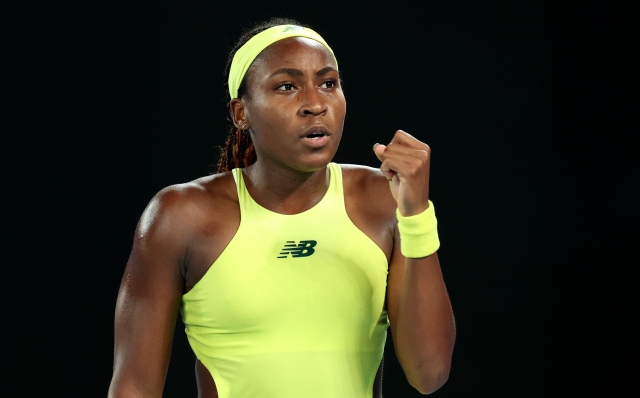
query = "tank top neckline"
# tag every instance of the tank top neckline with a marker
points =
(245, 198)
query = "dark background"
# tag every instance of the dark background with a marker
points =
(527, 106)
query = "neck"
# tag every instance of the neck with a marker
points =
(283, 189)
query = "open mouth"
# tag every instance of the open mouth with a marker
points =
(315, 135)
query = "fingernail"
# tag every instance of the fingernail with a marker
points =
(374, 146)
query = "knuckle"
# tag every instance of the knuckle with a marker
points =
(413, 170)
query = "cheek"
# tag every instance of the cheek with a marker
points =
(273, 120)
(340, 106)
(344, 109)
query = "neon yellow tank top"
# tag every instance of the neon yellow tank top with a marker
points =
(293, 307)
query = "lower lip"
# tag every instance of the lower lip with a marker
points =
(316, 142)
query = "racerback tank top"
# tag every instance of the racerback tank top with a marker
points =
(294, 305)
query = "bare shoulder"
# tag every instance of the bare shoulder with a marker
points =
(369, 181)
(180, 207)
(369, 188)
(370, 205)
(363, 175)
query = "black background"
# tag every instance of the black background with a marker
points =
(527, 107)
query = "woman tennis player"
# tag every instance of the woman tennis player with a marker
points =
(288, 268)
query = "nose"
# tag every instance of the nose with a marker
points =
(313, 103)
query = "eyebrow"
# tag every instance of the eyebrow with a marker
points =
(298, 72)
(326, 70)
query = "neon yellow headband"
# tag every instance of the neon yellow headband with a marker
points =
(243, 58)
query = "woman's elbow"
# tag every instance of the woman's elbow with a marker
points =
(430, 380)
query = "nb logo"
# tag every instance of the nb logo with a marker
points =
(293, 28)
(302, 249)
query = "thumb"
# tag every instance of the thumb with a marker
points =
(379, 149)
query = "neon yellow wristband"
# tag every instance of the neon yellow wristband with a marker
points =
(419, 233)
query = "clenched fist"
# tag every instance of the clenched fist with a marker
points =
(405, 163)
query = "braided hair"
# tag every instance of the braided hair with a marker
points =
(238, 150)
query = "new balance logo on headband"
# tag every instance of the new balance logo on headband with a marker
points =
(303, 249)
(293, 28)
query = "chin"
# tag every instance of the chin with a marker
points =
(312, 165)
(313, 162)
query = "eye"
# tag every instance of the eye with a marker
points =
(285, 87)
(329, 84)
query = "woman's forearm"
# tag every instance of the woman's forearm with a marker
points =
(425, 331)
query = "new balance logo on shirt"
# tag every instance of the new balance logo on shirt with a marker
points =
(303, 249)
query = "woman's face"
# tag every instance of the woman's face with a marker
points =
(295, 108)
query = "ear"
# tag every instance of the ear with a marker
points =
(236, 111)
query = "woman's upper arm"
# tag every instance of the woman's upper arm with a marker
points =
(149, 298)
